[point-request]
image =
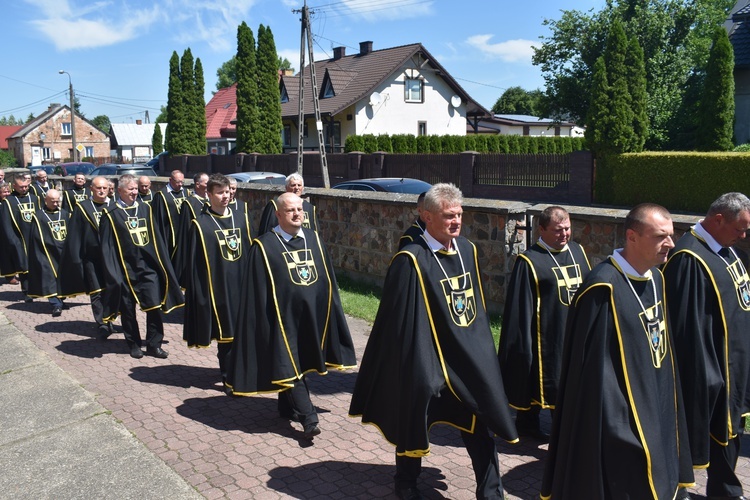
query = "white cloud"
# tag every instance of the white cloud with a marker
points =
(381, 10)
(509, 51)
(212, 22)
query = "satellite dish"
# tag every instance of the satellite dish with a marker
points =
(455, 101)
(375, 99)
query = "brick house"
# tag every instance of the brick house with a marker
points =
(47, 138)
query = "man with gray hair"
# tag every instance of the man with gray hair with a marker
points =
(430, 357)
(708, 293)
(296, 185)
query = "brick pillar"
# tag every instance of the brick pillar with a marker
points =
(378, 163)
(466, 176)
(355, 159)
(581, 185)
(239, 160)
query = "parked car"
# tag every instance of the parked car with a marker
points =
(75, 167)
(259, 177)
(154, 162)
(50, 169)
(136, 169)
(387, 184)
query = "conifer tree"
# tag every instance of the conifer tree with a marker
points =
(716, 111)
(598, 117)
(269, 97)
(189, 125)
(638, 95)
(174, 107)
(620, 130)
(200, 109)
(156, 140)
(247, 91)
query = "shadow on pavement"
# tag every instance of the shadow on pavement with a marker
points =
(92, 348)
(355, 480)
(335, 382)
(184, 376)
(76, 327)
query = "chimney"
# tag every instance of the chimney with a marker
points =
(139, 122)
(365, 48)
(339, 52)
(53, 105)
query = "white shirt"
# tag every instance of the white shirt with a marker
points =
(286, 235)
(626, 267)
(712, 243)
(434, 244)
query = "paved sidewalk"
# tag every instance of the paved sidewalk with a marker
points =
(82, 419)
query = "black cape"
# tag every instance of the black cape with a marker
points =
(16, 224)
(709, 305)
(191, 208)
(167, 205)
(269, 221)
(218, 249)
(135, 262)
(38, 190)
(72, 197)
(292, 321)
(412, 233)
(82, 255)
(48, 234)
(147, 198)
(619, 429)
(536, 306)
(431, 357)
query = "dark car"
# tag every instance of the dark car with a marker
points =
(386, 184)
(136, 169)
(75, 167)
(154, 162)
(50, 169)
(259, 177)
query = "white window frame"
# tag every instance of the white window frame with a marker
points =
(65, 128)
(89, 152)
(46, 153)
(413, 90)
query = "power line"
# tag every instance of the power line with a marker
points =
(120, 98)
(32, 103)
(26, 83)
(375, 7)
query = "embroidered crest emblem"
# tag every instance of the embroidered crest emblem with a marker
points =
(230, 244)
(306, 220)
(27, 211)
(656, 332)
(461, 302)
(741, 283)
(138, 231)
(301, 265)
(178, 203)
(80, 197)
(568, 280)
(59, 229)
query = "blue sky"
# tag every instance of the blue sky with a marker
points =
(117, 51)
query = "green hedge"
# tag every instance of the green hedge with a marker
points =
(680, 181)
(513, 144)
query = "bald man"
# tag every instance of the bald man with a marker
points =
(144, 190)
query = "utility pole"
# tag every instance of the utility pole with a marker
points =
(72, 116)
(307, 35)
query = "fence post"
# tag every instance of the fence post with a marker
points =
(355, 159)
(466, 175)
(581, 184)
(378, 163)
(239, 159)
(250, 163)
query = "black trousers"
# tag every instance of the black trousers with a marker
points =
(154, 324)
(224, 348)
(483, 452)
(722, 480)
(96, 307)
(295, 403)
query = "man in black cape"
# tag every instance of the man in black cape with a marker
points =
(431, 357)
(76, 194)
(417, 228)
(295, 185)
(708, 293)
(83, 270)
(292, 321)
(136, 270)
(217, 246)
(40, 185)
(191, 208)
(16, 223)
(619, 430)
(235, 204)
(167, 204)
(145, 195)
(544, 280)
(48, 234)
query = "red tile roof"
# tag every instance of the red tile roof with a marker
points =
(5, 132)
(220, 111)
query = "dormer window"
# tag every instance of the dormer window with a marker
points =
(284, 94)
(65, 128)
(327, 89)
(413, 90)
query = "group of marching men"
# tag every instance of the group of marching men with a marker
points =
(644, 359)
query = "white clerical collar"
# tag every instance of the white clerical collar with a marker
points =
(626, 268)
(172, 190)
(710, 241)
(286, 235)
(434, 244)
(549, 248)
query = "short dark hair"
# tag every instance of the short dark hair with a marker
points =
(636, 218)
(197, 176)
(215, 180)
(19, 177)
(551, 214)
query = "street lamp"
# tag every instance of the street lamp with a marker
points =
(72, 116)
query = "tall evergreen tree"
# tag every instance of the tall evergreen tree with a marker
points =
(269, 97)
(247, 91)
(156, 140)
(200, 109)
(621, 134)
(636, 77)
(173, 140)
(598, 116)
(716, 111)
(189, 125)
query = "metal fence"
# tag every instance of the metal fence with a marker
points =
(526, 170)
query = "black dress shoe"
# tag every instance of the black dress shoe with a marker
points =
(682, 494)
(56, 311)
(136, 352)
(311, 431)
(157, 352)
(535, 433)
(408, 493)
(288, 416)
(105, 331)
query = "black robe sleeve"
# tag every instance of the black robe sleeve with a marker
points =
(268, 218)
